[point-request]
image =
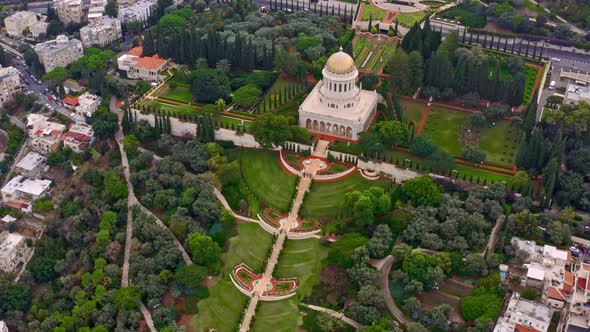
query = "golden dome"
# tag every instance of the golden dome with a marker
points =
(340, 63)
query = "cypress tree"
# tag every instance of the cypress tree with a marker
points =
(370, 22)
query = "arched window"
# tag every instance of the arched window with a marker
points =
(330, 86)
(345, 86)
(339, 87)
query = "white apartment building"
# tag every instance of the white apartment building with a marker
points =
(524, 315)
(17, 23)
(87, 105)
(147, 68)
(38, 29)
(138, 11)
(13, 252)
(20, 192)
(101, 32)
(79, 138)
(10, 84)
(69, 11)
(59, 52)
(576, 93)
(3, 327)
(578, 316)
(32, 165)
(96, 9)
(45, 135)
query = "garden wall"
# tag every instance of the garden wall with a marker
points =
(341, 156)
(390, 170)
(183, 129)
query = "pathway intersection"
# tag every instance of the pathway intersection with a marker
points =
(309, 171)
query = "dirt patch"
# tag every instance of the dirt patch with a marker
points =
(435, 298)
(185, 320)
(493, 27)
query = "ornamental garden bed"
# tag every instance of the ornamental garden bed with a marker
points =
(273, 217)
(306, 226)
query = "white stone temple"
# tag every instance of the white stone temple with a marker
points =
(336, 106)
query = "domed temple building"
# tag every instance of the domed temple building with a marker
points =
(336, 106)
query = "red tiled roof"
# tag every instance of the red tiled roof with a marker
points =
(77, 136)
(16, 205)
(38, 132)
(522, 328)
(150, 62)
(569, 277)
(555, 293)
(72, 101)
(582, 283)
(136, 51)
(55, 133)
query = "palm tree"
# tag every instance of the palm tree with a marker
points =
(223, 65)
(220, 103)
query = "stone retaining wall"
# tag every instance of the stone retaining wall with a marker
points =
(331, 177)
(387, 169)
(268, 227)
(341, 156)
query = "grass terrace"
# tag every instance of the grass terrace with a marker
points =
(413, 111)
(409, 19)
(380, 49)
(276, 316)
(280, 93)
(500, 142)
(223, 308)
(325, 198)
(444, 126)
(267, 179)
(179, 93)
(302, 259)
(372, 11)
(464, 16)
(531, 74)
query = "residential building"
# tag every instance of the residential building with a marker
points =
(17, 23)
(13, 252)
(3, 327)
(59, 52)
(87, 105)
(79, 138)
(10, 84)
(524, 316)
(20, 192)
(69, 11)
(72, 86)
(576, 93)
(96, 9)
(138, 11)
(101, 32)
(45, 135)
(38, 29)
(547, 270)
(578, 316)
(32, 165)
(147, 68)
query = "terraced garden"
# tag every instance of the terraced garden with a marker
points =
(409, 19)
(371, 53)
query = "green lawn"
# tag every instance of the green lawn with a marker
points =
(444, 125)
(280, 316)
(363, 47)
(241, 249)
(530, 73)
(235, 122)
(267, 179)
(222, 310)
(325, 198)
(394, 156)
(500, 142)
(413, 111)
(174, 110)
(179, 93)
(372, 12)
(463, 15)
(408, 19)
(302, 259)
(273, 97)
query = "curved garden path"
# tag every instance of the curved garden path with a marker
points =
(384, 266)
(131, 201)
(335, 314)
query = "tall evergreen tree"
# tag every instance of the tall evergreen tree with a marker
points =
(149, 48)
